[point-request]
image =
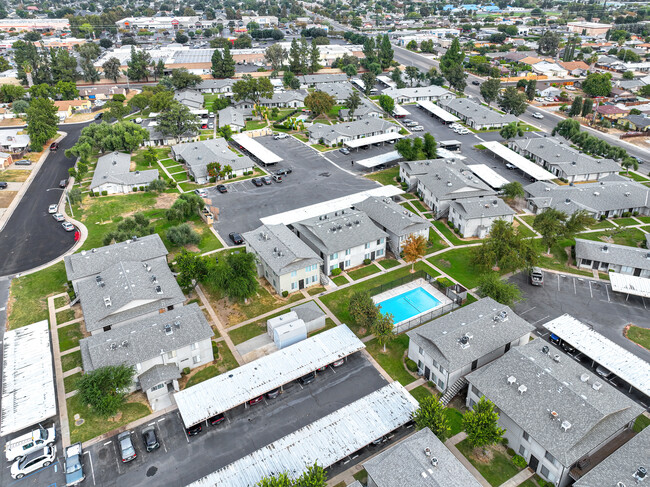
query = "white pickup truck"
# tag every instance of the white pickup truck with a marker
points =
(29, 442)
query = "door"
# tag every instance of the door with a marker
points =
(595, 264)
(342, 265)
(637, 272)
(372, 255)
(533, 463)
(427, 372)
(301, 284)
(474, 364)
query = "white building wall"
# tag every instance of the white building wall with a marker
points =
(472, 227)
(355, 256)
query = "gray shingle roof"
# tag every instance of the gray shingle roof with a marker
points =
(591, 415)
(211, 84)
(280, 248)
(348, 229)
(115, 168)
(231, 116)
(197, 156)
(88, 263)
(474, 111)
(355, 129)
(482, 207)
(640, 121)
(440, 337)
(145, 339)
(448, 179)
(340, 91)
(157, 374)
(613, 254)
(392, 216)
(129, 291)
(406, 464)
(417, 92)
(365, 109)
(189, 98)
(308, 311)
(311, 79)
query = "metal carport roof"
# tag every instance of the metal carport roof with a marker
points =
(258, 150)
(487, 174)
(251, 380)
(519, 161)
(635, 285)
(380, 159)
(373, 139)
(439, 112)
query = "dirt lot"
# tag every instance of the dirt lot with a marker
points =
(6, 197)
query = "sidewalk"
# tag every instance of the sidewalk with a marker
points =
(451, 444)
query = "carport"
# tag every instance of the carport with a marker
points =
(400, 112)
(634, 285)
(440, 113)
(326, 441)
(536, 172)
(602, 351)
(450, 145)
(373, 139)
(256, 150)
(251, 380)
(489, 176)
(380, 159)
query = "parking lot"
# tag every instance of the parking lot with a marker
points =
(313, 179)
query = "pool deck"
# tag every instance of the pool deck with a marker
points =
(391, 293)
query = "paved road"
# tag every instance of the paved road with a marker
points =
(31, 237)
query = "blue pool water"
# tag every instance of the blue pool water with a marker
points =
(406, 305)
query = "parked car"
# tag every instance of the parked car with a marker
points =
(280, 136)
(407, 120)
(222, 188)
(23, 162)
(126, 446)
(201, 192)
(67, 226)
(236, 238)
(204, 125)
(54, 146)
(193, 430)
(277, 179)
(267, 179)
(99, 116)
(150, 439)
(283, 171)
(418, 128)
(53, 208)
(603, 372)
(33, 461)
(3, 185)
(74, 471)
(273, 394)
(63, 183)
(218, 419)
(344, 150)
(30, 442)
(338, 363)
(509, 166)
(536, 276)
(58, 217)
(475, 83)
(538, 115)
(255, 401)
(308, 378)
(257, 181)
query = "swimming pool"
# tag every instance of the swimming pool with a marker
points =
(408, 304)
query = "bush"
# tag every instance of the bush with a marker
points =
(186, 370)
(285, 294)
(626, 214)
(336, 271)
(412, 366)
(510, 452)
(215, 350)
(444, 282)
(157, 185)
(182, 235)
(404, 186)
(104, 193)
(366, 261)
(519, 461)
(119, 97)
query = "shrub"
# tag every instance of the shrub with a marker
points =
(412, 366)
(444, 282)
(510, 452)
(135, 189)
(519, 461)
(104, 193)
(182, 235)
(626, 214)
(186, 370)
(119, 97)
(285, 294)
(215, 350)
(336, 271)
(366, 261)
(404, 186)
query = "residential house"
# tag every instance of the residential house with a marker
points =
(265, 22)
(421, 93)
(552, 70)
(101, 92)
(575, 68)
(441, 181)
(555, 411)
(283, 99)
(285, 261)
(67, 108)
(609, 198)
(476, 115)
(450, 347)
(190, 98)
(611, 112)
(311, 80)
(5, 160)
(343, 239)
(340, 91)
(89, 263)
(474, 216)
(14, 143)
(157, 347)
(639, 123)
(221, 86)
(343, 132)
(395, 220)
(366, 109)
(197, 155)
(113, 175)
(420, 460)
(606, 257)
(232, 117)
(558, 157)
(550, 92)
(157, 138)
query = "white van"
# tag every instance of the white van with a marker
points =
(29, 442)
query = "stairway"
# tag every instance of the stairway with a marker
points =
(453, 390)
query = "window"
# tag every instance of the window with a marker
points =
(196, 359)
(171, 354)
(522, 451)
(294, 285)
(380, 252)
(379, 241)
(442, 369)
(158, 386)
(420, 350)
(367, 246)
(544, 471)
(441, 384)
(195, 345)
(294, 273)
(551, 459)
(526, 436)
(475, 391)
(347, 263)
(366, 256)
(419, 364)
(347, 252)
(332, 267)
(335, 255)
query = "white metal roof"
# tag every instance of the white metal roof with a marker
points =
(373, 139)
(300, 214)
(387, 81)
(399, 110)
(257, 149)
(27, 378)
(325, 441)
(623, 283)
(251, 380)
(491, 178)
(519, 161)
(439, 112)
(632, 369)
(380, 159)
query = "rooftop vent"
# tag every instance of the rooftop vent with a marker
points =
(427, 451)
(605, 248)
(434, 461)
(627, 193)
(596, 193)
(154, 279)
(113, 346)
(146, 266)
(565, 425)
(567, 201)
(99, 280)
(522, 388)
(125, 343)
(545, 350)
(107, 301)
(177, 325)
(168, 329)
(556, 358)
(512, 380)
(596, 386)
(641, 473)
(555, 415)
(158, 290)
(449, 183)
(584, 377)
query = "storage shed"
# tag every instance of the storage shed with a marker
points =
(273, 323)
(290, 333)
(311, 314)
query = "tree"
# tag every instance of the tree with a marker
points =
(4, 65)
(511, 130)
(105, 388)
(11, 93)
(513, 101)
(157, 186)
(505, 248)
(430, 146)
(490, 90)
(482, 424)
(411, 149)
(295, 58)
(186, 206)
(235, 275)
(105, 43)
(252, 89)
(386, 52)
(415, 246)
(116, 110)
(630, 162)
(412, 45)
(383, 327)
(412, 73)
(138, 225)
(548, 43)
(453, 57)
(576, 107)
(150, 156)
(645, 90)
(513, 190)
(182, 78)
(369, 79)
(177, 120)
(531, 89)
(319, 102)
(290, 80)
(551, 224)
(491, 285)
(597, 84)
(314, 57)
(363, 310)
(225, 66)
(67, 90)
(42, 121)
(243, 42)
(20, 106)
(457, 77)
(105, 137)
(138, 65)
(182, 235)
(387, 103)
(181, 38)
(628, 75)
(275, 55)
(396, 76)
(433, 415)
(112, 69)
(352, 102)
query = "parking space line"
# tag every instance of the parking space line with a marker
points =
(574, 286)
(108, 443)
(541, 319)
(183, 426)
(160, 437)
(161, 420)
(524, 312)
(92, 468)
(590, 291)
(558, 282)
(117, 459)
(607, 291)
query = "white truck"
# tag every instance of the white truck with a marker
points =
(29, 442)
(74, 469)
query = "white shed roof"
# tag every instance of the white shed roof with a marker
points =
(519, 161)
(623, 283)
(251, 380)
(27, 378)
(487, 174)
(373, 139)
(325, 441)
(380, 159)
(257, 149)
(632, 369)
(399, 110)
(439, 112)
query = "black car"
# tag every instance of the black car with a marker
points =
(475, 83)
(99, 116)
(218, 419)
(257, 181)
(3, 185)
(63, 183)
(282, 172)
(193, 430)
(308, 379)
(222, 188)
(236, 238)
(273, 394)
(149, 438)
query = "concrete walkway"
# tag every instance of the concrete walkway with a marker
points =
(413, 385)
(518, 479)
(58, 373)
(451, 444)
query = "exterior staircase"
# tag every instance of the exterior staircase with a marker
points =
(453, 390)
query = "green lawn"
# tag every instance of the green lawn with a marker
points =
(313, 291)
(302, 137)
(340, 280)
(71, 361)
(420, 393)
(641, 423)
(180, 176)
(435, 242)
(321, 147)
(456, 263)
(208, 240)
(246, 332)
(388, 263)
(559, 260)
(601, 225)
(385, 177)
(393, 360)
(224, 362)
(28, 295)
(455, 418)
(255, 124)
(525, 231)
(94, 424)
(69, 336)
(636, 177)
(644, 219)
(639, 335)
(363, 272)
(631, 237)
(171, 163)
(626, 222)
(409, 196)
(70, 382)
(419, 205)
(451, 236)
(64, 316)
(527, 218)
(61, 301)
(409, 207)
(497, 471)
